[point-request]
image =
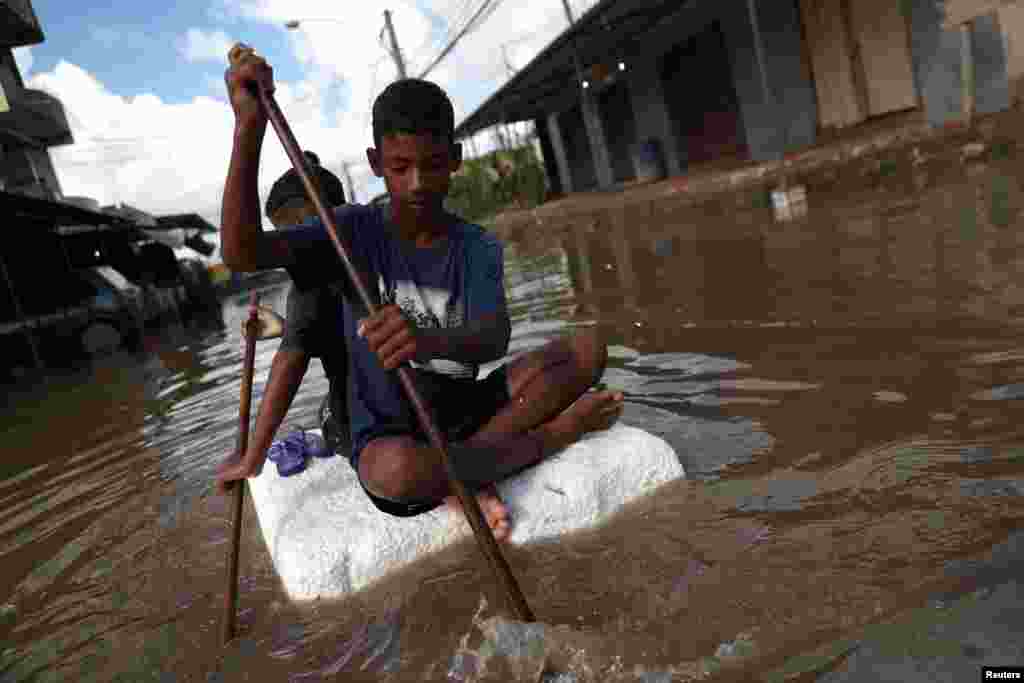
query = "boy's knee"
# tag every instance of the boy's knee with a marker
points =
(386, 470)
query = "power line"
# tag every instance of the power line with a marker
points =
(455, 22)
(461, 34)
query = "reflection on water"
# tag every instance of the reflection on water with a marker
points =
(841, 388)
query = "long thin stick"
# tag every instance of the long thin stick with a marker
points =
(231, 599)
(484, 536)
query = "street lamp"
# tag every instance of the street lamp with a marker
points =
(293, 24)
(393, 50)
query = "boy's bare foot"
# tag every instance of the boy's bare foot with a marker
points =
(494, 509)
(592, 412)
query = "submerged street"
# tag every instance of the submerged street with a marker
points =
(841, 387)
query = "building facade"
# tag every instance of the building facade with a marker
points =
(31, 121)
(698, 81)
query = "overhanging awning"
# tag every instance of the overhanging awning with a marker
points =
(185, 220)
(549, 83)
(13, 205)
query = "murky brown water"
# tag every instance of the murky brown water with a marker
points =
(842, 390)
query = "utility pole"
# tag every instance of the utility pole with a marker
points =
(348, 181)
(395, 52)
(509, 71)
(568, 12)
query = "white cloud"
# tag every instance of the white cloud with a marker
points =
(173, 158)
(160, 157)
(24, 59)
(198, 45)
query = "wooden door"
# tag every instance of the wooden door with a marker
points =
(880, 30)
(831, 63)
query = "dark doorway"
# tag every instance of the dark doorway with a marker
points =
(701, 98)
(548, 152)
(619, 128)
(577, 149)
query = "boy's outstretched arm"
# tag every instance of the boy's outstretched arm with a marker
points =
(244, 245)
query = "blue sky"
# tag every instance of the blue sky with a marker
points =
(142, 83)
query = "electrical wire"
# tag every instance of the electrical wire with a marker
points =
(452, 21)
(468, 18)
(474, 23)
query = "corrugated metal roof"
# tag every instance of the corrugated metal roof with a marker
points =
(56, 213)
(185, 220)
(549, 83)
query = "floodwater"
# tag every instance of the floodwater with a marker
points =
(842, 389)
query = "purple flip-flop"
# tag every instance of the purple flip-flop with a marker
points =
(289, 454)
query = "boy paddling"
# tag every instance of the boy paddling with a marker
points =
(439, 283)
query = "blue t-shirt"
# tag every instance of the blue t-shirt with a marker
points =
(458, 281)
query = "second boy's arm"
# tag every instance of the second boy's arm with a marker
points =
(298, 344)
(286, 373)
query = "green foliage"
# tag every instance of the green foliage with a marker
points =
(762, 199)
(476, 196)
(968, 223)
(1000, 213)
(1000, 151)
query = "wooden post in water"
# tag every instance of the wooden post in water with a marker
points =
(231, 595)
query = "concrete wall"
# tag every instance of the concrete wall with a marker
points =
(601, 161)
(959, 11)
(991, 75)
(1011, 21)
(936, 55)
(784, 117)
(561, 157)
(547, 156)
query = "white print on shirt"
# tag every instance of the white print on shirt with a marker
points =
(428, 307)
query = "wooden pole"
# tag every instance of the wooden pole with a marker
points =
(231, 596)
(470, 506)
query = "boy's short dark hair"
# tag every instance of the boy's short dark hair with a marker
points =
(289, 190)
(413, 106)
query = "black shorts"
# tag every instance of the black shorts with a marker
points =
(461, 406)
